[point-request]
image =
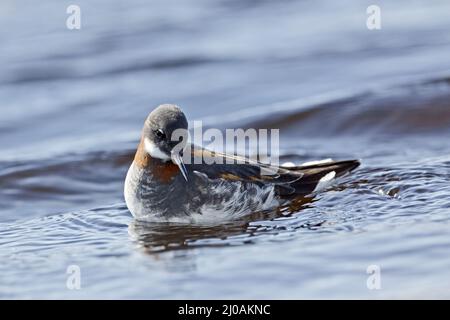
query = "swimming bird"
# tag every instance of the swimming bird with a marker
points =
(160, 185)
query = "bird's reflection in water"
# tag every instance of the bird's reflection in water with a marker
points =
(157, 237)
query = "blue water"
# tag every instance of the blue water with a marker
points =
(73, 102)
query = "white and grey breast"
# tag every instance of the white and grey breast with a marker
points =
(148, 198)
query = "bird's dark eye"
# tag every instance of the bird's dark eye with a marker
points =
(160, 134)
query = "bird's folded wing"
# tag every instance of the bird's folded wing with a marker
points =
(217, 165)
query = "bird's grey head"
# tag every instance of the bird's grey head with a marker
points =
(165, 134)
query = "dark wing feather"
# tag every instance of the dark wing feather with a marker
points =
(312, 174)
(288, 181)
(218, 165)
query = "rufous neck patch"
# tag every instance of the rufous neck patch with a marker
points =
(163, 171)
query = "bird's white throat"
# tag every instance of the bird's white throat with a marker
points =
(154, 151)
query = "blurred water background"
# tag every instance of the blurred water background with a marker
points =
(72, 103)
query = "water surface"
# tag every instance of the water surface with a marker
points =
(73, 103)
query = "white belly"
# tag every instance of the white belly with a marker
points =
(203, 201)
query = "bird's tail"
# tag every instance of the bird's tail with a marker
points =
(317, 176)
